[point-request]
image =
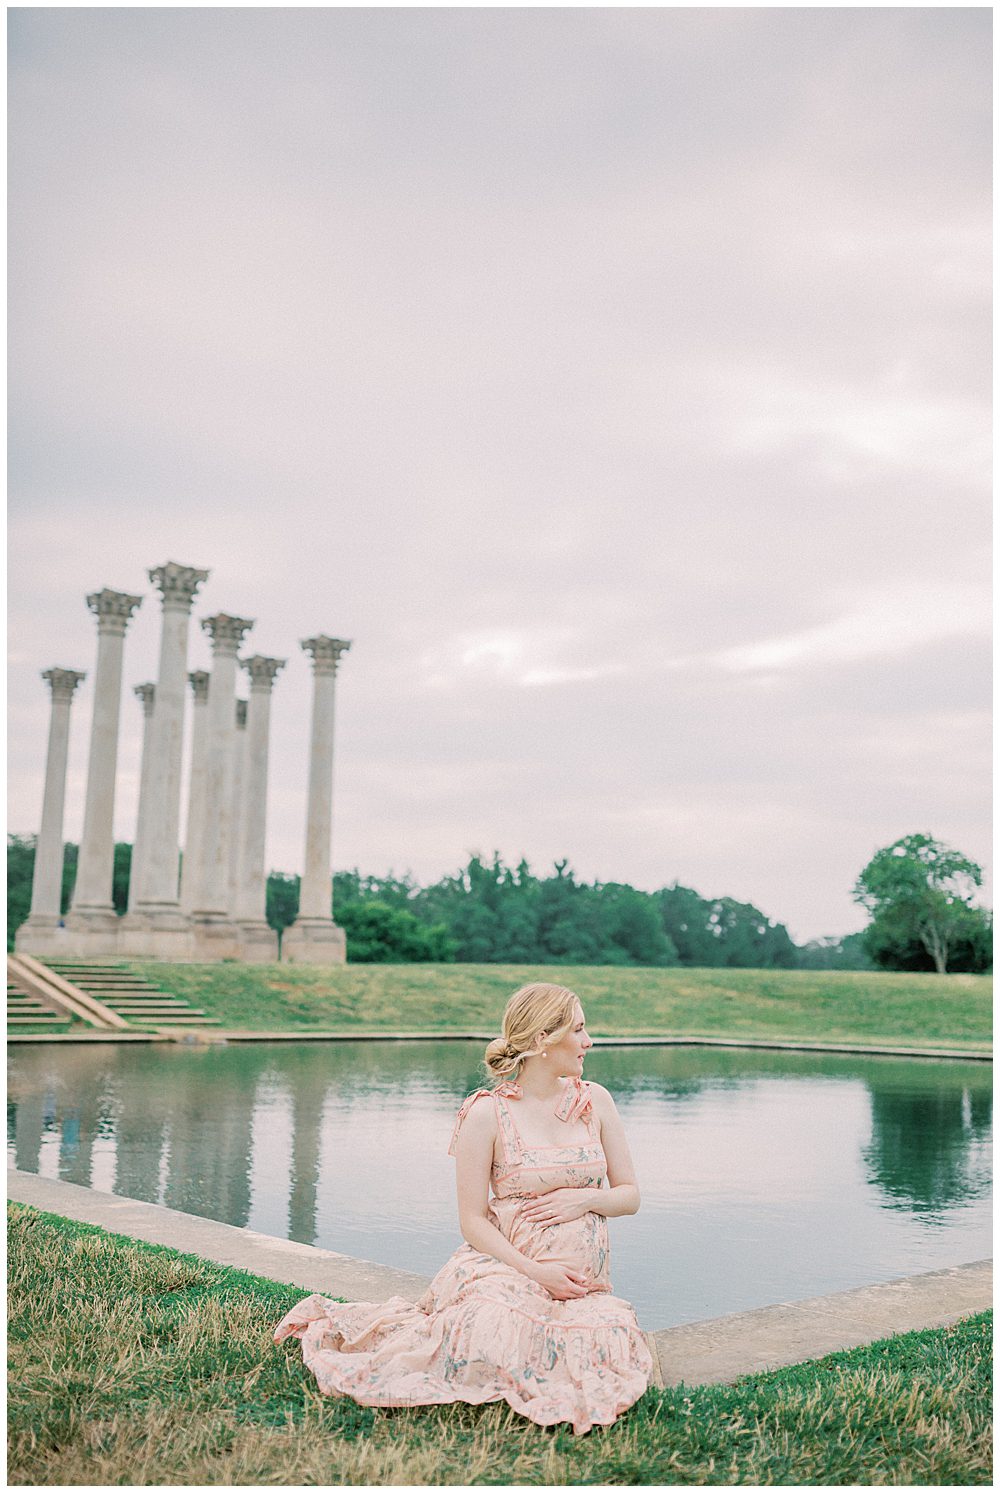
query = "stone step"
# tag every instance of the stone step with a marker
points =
(144, 995)
(151, 1008)
(89, 969)
(37, 1018)
(97, 971)
(143, 998)
(185, 1020)
(88, 982)
(132, 1010)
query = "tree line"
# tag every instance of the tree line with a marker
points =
(490, 912)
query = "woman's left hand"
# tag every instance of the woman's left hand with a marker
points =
(561, 1205)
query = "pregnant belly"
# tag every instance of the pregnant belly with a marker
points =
(580, 1245)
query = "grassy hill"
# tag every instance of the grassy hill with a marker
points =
(901, 1009)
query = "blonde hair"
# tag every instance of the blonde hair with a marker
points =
(530, 1012)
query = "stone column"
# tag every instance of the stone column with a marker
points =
(215, 934)
(156, 926)
(198, 681)
(314, 938)
(37, 934)
(259, 942)
(146, 695)
(92, 919)
(239, 783)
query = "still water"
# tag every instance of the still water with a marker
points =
(765, 1177)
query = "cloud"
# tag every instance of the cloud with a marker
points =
(512, 658)
(898, 618)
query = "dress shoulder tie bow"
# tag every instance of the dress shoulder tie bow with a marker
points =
(507, 1090)
(575, 1102)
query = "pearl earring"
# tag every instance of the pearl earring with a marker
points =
(544, 1054)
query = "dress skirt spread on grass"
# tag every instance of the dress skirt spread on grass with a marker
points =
(482, 1331)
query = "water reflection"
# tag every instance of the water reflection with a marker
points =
(766, 1176)
(929, 1150)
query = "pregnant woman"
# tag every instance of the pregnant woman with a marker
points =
(523, 1311)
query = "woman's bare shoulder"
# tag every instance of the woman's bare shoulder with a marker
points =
(601, 1098)
(481, 1118)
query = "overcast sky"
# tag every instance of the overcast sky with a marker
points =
(616, 380)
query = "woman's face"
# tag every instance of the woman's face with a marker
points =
(569, 1052)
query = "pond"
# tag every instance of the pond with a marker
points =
(766, 1176)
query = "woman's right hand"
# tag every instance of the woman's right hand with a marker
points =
(563, 1284)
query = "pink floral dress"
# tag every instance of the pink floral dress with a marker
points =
(484, 1332)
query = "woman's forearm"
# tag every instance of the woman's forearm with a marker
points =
(613, 1202)
(487, 1238)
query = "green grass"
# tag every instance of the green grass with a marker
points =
(133, 1364)
(906, 1010)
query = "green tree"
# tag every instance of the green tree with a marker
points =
(281, 901)
(633, 932)
(20, 870)
(918, 892)
(121, 875)
(749, 940)
(380, 934)
(848, 952)
(685, 918)
(568, 922)
(891, 944)
(351, 886)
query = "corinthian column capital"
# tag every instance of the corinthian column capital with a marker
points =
(263, 671)
(62, 682)
(198, 681)
(178, 584)
(113, 609)
(325, 652)
(146, 694)
(226, 632)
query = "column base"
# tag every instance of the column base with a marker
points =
(156, 931)
(215, 938)
(89, 933)
(43, 936)
(258, 942)
(314, 941)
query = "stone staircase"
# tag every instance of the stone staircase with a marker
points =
(24, 1010)
(133, 1000)
(129, 995)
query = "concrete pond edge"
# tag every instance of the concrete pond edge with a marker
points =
(717, 1351)
(199, 1036)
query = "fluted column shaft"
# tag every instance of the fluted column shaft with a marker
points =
(314, 901)
(314, 937)
(95, 868)
(226, 634)
(191, 863)
(251, 886)
(315, 896)
(239, 790)
(146, 694)
(46, 884)
(156, 895)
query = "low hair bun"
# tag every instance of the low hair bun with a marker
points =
(501, 1059)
